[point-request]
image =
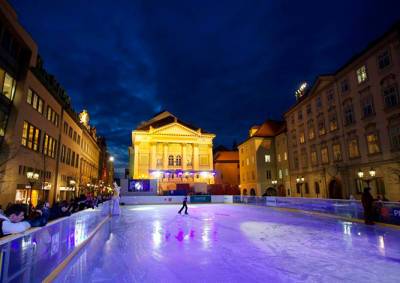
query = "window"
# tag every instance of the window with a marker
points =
(367, 106)
(280, 176)
(285, 155)
(333, 125)
(304, 160)
(337, 152)
(321, 126)
(384, 59)
(311, 131)
(66, 128)
(324, 155)
(314, 158)
(63, 152)
(362, 74)
(33, 99)
(330, 97)
(353, 148)
(300, 115)
(178, 160)
(344, 86)
(73, 159)
(7, 86)
(394, 133)
(49, 146)
(79, 139)
(77, 161)
(268, 173)
(286, 172)
(68, 159)
(267, 158)
(292, 119)
(52, 116)
(70, 132)
(247, 161)
(348, 113)
(373, 143)
(30, 136)
(171, 160)
(295, 160)
(279, 157)
(294, 138)
(319, 102)
(302, 137)
(309, 109)
(74, 138)
(390, 95)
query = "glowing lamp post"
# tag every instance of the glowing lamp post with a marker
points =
(32, 179)
(300, 181)
(371, 173)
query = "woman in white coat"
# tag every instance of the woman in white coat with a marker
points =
(116, 210)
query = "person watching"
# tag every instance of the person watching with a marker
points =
(12, 221)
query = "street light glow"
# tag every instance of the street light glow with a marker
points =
(111, 158)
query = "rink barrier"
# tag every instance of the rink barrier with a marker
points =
(132, 200)
(33, 255)
(386, 212)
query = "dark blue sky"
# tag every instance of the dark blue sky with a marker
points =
(220, 65)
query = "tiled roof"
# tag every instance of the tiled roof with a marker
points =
(231, 155)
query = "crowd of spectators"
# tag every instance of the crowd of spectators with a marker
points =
(18, 217)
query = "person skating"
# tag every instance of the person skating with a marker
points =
(368, 205)
(184, 205)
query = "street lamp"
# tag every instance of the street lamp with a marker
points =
(274, 182)
(32, 178)
(111, 159)
(300, 181)
(372, 173)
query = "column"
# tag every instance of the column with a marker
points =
(210, 157)
(195, 157)
(165, 159)
(136, 161)
(184, 161)
(153, 160)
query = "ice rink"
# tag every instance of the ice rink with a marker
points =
(234, 243)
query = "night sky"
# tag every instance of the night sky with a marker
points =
(220, 65)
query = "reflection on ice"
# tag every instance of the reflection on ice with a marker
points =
(142, 208)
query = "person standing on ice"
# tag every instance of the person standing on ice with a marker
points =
(184, 205)
(368, 205)
(116, 210)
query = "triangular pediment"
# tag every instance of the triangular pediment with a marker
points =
(321, 83)
(174, 129)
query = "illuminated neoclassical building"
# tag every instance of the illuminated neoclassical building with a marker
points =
(176, 154)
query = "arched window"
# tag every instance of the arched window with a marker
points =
(171, 160)
(390, 91)
(178, 160)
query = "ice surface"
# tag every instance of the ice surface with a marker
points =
(235, 243)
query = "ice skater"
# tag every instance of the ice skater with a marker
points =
(184, 205)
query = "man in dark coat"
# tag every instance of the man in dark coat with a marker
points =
(184, 205)
(368, 205)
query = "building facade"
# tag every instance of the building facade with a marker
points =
(347, 126)
(33, 111)
(258, 156)
(226, 166)
(175, 153)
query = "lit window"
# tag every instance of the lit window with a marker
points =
(324, 155)
(286, 172)
(280, 174)
(333, 123)
(373, 143)
(302, 138)
(362, 74)
(314, 159)
(8, 86)
(321, 127)
(285, 156)
(279, 157)
(267, 158)
(247, 161)
(337, 153)
(353, 148)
